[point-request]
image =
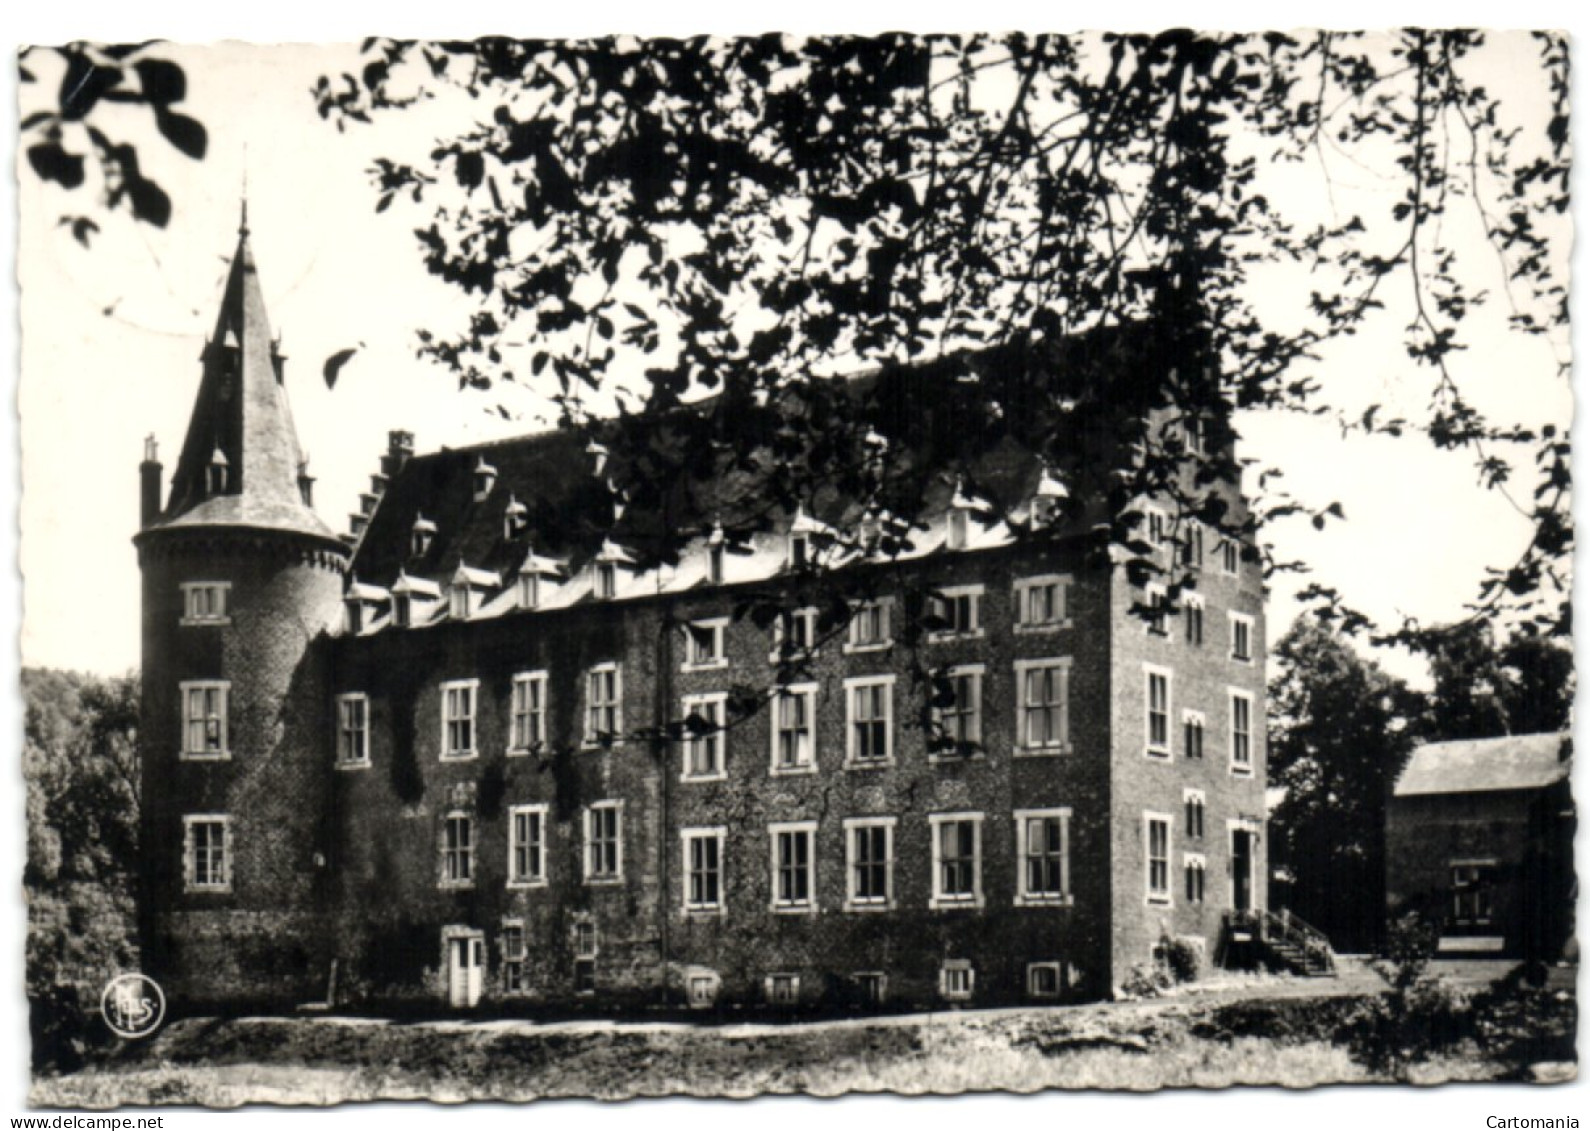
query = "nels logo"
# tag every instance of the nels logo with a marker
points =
(133, 1005)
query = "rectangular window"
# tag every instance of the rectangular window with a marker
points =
(958, 710)
(606, 580)
(957, 860)
(458, 718)
(869, 849)
(527, 729)
(794, 866)
(956, 612)
(703, 868)
(513, 958)
(584, 956)
(1043, 979)
(794, 737)
(1156, 828)
(957, 979)
(1473, 893)
(1158, 696)
(1192, 611)
(1241, 638)
(207, 863)
(527, 845)
(1042, 722)
(870, 701)
(1156, 526)
(871, 987)
(704, 736)
(715, 565)
(704, 645)
(1042, 854)
(204, 719)
(458, 850)
(204, 602)
(1193, 804)
(529, 590)
(783, 989)
(1230, 558)
(958, 528)
(1192, 544)
(604, 842)
(603, 687)
(1241, 732)
(353, 730)
(1155, 620)
(1042, 603)
(1193, 878)
(1192, 729)
(869, 626)
(794, 635)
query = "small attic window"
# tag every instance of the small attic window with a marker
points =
(800, 550)
(529, 590)
(959, 528)
(715, 564)
(485, 479)
(216, 474)
(420, 540)
(402, 610)
(353, 609)
(464, 601)
(606, 580)
(514, 519)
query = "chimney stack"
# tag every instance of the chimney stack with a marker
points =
(149, 483)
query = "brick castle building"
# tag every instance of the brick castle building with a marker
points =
(440, 758)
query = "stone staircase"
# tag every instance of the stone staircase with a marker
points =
(1280, 939)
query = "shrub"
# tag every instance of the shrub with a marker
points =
(1181, 958)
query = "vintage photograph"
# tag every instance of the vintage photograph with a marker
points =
(744, 565)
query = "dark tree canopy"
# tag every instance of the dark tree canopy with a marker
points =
(1480, 690)
(644, 222)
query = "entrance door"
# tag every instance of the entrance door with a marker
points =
(1241, 870)
(465, 960)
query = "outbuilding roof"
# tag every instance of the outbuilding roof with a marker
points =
(1486, 765)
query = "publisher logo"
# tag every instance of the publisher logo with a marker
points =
(132, 1005)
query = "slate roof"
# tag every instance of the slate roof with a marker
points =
(1484, 765)
(241, 412)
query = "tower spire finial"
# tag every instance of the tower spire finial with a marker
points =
(242, 227)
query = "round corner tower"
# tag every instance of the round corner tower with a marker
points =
(241, 582)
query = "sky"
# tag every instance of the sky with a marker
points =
(111, 336)
(110, 340)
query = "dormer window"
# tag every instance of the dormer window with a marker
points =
(467, 588)
(402, 610)
(609, 560)
(959, 529)
(515, 519)
(606, 580)
(485, 479)
(354, 617)
(411, 596)
(1047, 498)
(424, 530)
(529, 590)
(715, 556)
(800, 550)
(216, 475)
(463, 602)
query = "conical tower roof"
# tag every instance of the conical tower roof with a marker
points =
(242, 424)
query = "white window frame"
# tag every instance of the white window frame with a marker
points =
(1191, 862)
(509, 958)
(1242, 624)
(448, 876)
(592, 734)
(1163, 750)
(808, 614)
(1025, 897)
(718, 834)
(1063, 583)
(535, 719)
(361, 758)
(782, 989)
(974, 672)
(853, 900)
(1057, 969)
(1194, 799)
(957, 966)
(1151, 897)
(1240, 767)
(604, 584)
(1023, 747)
(191, 591)
(939, 900)
(1190, 547)
(1230, 558)
(1157, 527)
(1191, 719)
(717, 628)
(808, 692)
(885, 611)
(537, 877)
(851, 686)
(223, 688)
(949, 594)
(1192, 611)
(588, 848)
(706, 705)
(796, 828)
(190, 855)
(463, 753)
(528, 591)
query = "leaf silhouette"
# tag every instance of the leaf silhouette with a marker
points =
(334, 364)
